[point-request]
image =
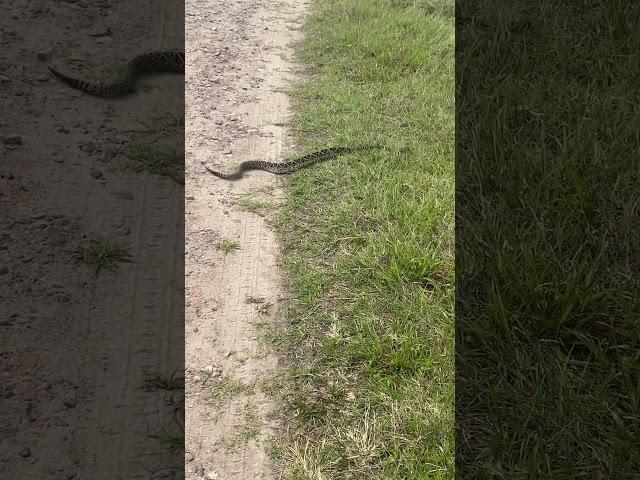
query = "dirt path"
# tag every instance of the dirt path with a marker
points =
(77, 347)
(239, 57)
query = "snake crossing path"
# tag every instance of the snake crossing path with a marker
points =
(239, 58)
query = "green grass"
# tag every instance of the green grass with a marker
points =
(172, 440)
(225, 389)
(102, 255)
(252, 205)
(248, 430)
(228, 245)
(549, 348)
(157, 159)
(159, 381)
(368, 241)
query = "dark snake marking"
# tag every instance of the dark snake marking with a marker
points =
(291, 166)
(174, 61)
(167, 61)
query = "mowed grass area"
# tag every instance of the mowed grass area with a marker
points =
(368, 240)
(548, 253)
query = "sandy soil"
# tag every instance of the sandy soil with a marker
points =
(239, 58)
(76, 348)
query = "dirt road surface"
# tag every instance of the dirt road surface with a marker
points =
(77, 348)
(239, 58)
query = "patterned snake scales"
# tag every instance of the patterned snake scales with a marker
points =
(174, 61)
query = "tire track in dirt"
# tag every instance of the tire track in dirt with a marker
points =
(238, 60)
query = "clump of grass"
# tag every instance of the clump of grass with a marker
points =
(368, 241)
(205, 376)
(228, 245)
(102, 255)
(226, 389)
(254, 206)
(274, 450)
(166, 160)
(173, 440)
(272, 384)
(265, 190)
(158, 381)
(250, 428)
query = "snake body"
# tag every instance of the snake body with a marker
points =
(288, 167)
(164, 61)
(174, 61)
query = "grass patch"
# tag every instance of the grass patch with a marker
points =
(254, 206)
(159, 381)
(368, 240)
(249, 430)
(227, 245)
(547, 181)
(173, 440)
(274, 451)
(165, 160)
(226, 389)
(102, 255)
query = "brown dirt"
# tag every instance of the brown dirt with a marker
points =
(239, 58)
(76, 347)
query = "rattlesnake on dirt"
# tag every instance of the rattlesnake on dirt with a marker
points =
(165, 61)
(174, 61)
(291, 166)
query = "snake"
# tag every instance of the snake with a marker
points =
(174, 61)
(290, 166)
(164, 61)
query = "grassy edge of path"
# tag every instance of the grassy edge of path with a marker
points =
(368, 244)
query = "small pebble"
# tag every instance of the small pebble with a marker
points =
(25, 452)
(189, 457)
